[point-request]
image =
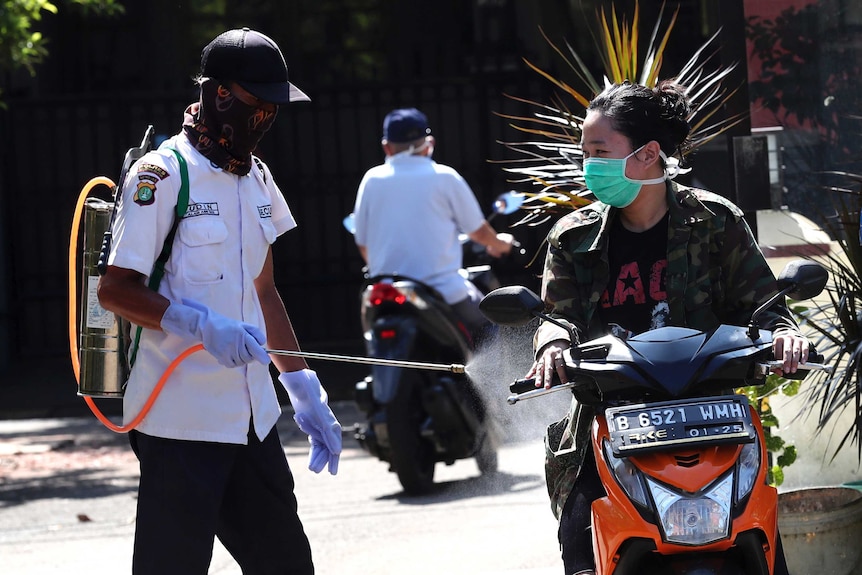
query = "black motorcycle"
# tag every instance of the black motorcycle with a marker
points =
(416, 417)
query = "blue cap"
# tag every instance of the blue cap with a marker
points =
(405, 125)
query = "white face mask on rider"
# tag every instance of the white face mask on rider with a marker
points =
(416, 150)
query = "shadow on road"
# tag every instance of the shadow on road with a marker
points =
(83, 430)
(74, 458)
(483, 485)
(88, 483)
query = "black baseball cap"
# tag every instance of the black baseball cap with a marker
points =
(252, 60)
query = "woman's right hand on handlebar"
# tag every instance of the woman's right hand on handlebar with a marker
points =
(550, 361)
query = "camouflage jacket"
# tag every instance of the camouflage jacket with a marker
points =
(716, 274)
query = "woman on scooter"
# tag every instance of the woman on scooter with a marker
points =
(648, 253)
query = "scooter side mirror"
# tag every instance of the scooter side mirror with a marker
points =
(515, 306)
(806, 279)
(508, 203)
(800, 280)
(511, 305)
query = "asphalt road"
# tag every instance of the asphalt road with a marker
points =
(67, 505)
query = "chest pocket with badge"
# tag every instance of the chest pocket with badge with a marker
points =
(201, 258)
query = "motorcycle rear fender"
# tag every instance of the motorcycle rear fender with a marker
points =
(435, 318)
(616, 520)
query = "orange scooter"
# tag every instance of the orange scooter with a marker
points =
(682, 458)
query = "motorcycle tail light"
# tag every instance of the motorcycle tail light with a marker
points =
(689, 519)
(385, 292)
(627, 475)
(388, 333)
(747, 467)
(398, 293)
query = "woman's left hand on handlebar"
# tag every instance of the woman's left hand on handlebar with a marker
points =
(792, 349)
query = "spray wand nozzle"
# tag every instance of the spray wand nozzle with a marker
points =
(453, 367)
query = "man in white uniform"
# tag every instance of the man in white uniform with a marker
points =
(410, 210)
(210, 456)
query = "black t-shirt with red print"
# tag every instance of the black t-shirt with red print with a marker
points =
(635, 299)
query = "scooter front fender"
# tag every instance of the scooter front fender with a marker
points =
(617, 522)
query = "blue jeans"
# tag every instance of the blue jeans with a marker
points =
(474, 320)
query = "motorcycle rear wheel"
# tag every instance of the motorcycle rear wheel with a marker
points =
(411, 456)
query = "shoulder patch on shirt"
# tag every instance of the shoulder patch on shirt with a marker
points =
(153, 169)
(265, 211)
(145, 193)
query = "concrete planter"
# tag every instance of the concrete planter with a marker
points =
(821, 529)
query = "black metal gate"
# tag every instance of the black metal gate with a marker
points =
(317, 151)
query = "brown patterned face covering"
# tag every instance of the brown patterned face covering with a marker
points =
(224, 128)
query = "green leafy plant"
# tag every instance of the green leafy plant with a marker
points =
(21, 46)
(781, 453)
(834, 324)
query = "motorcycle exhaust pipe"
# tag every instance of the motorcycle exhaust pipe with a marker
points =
(452, 368)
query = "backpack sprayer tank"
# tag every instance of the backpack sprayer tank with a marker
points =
(103, 342)
(104, 337)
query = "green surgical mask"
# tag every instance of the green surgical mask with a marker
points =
(606, 179)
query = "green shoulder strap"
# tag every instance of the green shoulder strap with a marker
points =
(159, 267)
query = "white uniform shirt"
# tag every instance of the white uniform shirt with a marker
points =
(408, 213)
(219, 250)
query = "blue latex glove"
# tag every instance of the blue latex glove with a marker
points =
(233, 343)
(315, 419)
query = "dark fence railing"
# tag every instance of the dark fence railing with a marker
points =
(317, 151)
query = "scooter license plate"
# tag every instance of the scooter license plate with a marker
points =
(669, 424)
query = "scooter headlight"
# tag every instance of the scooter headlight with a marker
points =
(747, 467)
(694, 520)
(627, 475)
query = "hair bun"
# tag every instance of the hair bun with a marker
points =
(674, 101)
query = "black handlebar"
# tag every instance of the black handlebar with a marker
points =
(522, 385)
(813, 357)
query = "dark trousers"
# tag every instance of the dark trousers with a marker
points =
(191, 492)
(574, 534)
(576, 541)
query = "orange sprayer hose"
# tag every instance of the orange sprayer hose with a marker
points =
(73, 332)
